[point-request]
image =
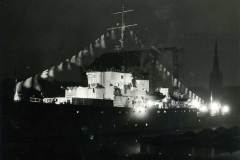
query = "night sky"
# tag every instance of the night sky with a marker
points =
(36, 34)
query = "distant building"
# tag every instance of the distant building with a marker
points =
(216, 83)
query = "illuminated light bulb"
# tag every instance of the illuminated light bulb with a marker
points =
(203, 109)
(140, 112)
(215, 108)
(225, 109)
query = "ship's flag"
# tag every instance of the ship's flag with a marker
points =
(193, 95)
(160, 67)
(36, 84)
(87, 59)
(164, 73)
(28, 83)
(198, 98)
(175, 81)
(131, 34)
(60, 67)
(97, 43)
(79, 59)
(107, 34)
(91, 50)
(168, 73)
(73, 60)
(172, 80)
(190, 94)
(68, 64)
(113, 35)
(51, 72)
(44, 74)
(103, 43)
(186, 90)
(18, 90)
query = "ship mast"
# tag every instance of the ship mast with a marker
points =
(123, 25)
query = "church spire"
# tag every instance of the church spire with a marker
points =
(215, 76)
(215, 60)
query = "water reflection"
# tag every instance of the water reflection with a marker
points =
(125, 150)
(219, 144)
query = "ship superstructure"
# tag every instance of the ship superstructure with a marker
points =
(121, 74)
(113, 91)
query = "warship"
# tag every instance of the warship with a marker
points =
(120, 85)
(118, 98)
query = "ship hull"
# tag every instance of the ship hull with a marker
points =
(47, 118)
(39, 131)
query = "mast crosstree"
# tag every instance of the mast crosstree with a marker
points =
(123, 25)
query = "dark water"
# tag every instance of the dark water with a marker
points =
(168, 147)
(40, 135)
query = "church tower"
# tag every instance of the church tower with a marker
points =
(216, 83)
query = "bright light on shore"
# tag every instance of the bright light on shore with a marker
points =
(215, 108)
(225, 109)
